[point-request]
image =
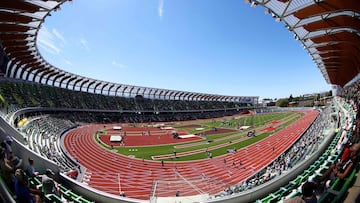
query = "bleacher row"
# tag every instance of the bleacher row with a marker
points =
(27, 94)
(293, 188)
(132, 110)
(336, 192)
(305, 146)
(67, 195)
(41, 124)
(8, 111)
(42, 135)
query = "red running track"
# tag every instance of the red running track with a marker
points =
(112, 173)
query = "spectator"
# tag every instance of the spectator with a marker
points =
(22, 192)
(340, 170)
(15, 161)
(6, 148)
(6, 144)
(296, 199)
(49, 186)
(307, 190)
(343, 169)
(122, 194)
(30, 170)
(345, 152)
(343, 140)
(6, 170)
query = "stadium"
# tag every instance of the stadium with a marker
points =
(110, 142)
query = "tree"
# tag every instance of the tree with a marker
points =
(282, 102)
(290, 98)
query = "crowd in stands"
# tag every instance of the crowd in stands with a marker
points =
(332, 184)
(305, 146)
(87, 116)
(42, 133)
(19, 179)
(9, 161)
(347, 148)
(27, 94)
(100, 108)
(42, 129)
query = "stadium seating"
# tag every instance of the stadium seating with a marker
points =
(315, 170)
(48, 128)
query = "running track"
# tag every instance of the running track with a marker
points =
(112, 173)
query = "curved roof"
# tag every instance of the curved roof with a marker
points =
(20, 22)
(328, 29)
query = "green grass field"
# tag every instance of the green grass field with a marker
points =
(257, 121)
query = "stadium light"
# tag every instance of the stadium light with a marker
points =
(289, 28)
(57, 8)
(273, 15)
(296, 37)
(267, 11)
(253, 4)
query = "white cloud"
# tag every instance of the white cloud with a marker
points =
(68, 62)
(84, 43)
(161, 8)
(58, 35)
(114, 63)
(48, 49)
(47, 41)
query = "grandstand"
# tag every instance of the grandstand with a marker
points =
(52, 115)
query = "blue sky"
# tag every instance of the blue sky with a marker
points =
(207, 46)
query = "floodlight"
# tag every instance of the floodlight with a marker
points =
(296, 37)
(267, 11)
(254, 4)
(273, 15)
